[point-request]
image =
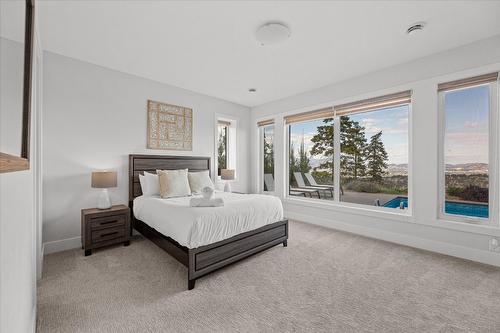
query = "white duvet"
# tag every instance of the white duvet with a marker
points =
(197, 226)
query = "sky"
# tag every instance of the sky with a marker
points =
(466, 128)
(466, 121)
(393, 122)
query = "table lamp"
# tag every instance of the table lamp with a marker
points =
(104, 180)
(227, 175)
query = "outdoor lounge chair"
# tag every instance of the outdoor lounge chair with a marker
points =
(312, 181)
(302, 185)
(304, 192)
(269, 182)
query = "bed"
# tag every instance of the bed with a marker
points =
(221, 238)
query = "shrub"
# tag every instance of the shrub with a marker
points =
(322, 177)
(454, 191)
(363, 186)
(475, 193)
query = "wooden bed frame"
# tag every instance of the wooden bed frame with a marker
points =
(205, 259)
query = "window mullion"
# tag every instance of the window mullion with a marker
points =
(493, 155)
(336, 158)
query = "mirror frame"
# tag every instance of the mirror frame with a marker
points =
(8, 162)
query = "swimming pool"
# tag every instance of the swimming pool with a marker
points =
(451, 207)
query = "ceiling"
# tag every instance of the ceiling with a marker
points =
(210, 46)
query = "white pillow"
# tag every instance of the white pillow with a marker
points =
(174, 183)
(152, 184)
(199, 180)
(142, 181)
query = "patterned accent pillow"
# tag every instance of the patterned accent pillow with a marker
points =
(174, 183)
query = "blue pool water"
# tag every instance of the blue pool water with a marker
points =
(456, 208)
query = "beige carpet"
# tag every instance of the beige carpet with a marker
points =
(324, 281)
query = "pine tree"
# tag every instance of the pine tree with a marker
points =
(293, 167)
(268, 156)
(221, 148)
(376, 157)
(304, 159)
(353, 145)
(323, 144)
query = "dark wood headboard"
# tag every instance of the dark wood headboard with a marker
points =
(150, 163)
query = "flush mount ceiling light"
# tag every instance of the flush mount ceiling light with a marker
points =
(419, 26)
(252, 90)
(272, 33)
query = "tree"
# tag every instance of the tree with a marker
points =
(323, 144)
(268, 156)
(303, 163)
(353, 146)
(293, 167)
(300, 163)
(376, 157)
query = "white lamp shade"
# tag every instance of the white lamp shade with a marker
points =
(104, 179)
(227, 174)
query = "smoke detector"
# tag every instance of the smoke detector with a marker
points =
(272, 33)
(419, 26)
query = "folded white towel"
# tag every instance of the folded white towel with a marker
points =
(201, 202)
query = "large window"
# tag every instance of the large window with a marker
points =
(374, 157)
(467, 126)
(311, 159)
(354, 153)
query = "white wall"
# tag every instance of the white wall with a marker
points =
(11, 90)
(422, 229)
(19, 226)
(93, 119)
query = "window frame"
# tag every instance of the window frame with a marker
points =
(493, 128)
(336, 160)
(261, 158)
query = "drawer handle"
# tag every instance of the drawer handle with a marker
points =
(109, 234)
(107, 222)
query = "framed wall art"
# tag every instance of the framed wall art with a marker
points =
(170, 127)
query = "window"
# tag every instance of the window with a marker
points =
(374, 157)
(222, 145)
(310, 155)
(354, 153)
(225, 145)
(266, 129)
(467, 114)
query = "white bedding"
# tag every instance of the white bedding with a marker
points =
(197, 226)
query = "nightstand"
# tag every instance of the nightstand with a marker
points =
(103, 227)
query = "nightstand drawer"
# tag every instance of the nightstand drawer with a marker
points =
(107, 234)
(97, 223)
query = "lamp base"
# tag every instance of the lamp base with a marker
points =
(104, 201)
(227, 186)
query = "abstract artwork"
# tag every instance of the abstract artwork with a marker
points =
(170, 127)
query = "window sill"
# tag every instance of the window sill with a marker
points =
(482, 229)
(405, 217)
(384, 213)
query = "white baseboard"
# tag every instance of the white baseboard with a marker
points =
(450, 249)
(62, 245)
(67, 244)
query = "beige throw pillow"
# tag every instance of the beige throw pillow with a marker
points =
(199, 180)
(174, 183)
